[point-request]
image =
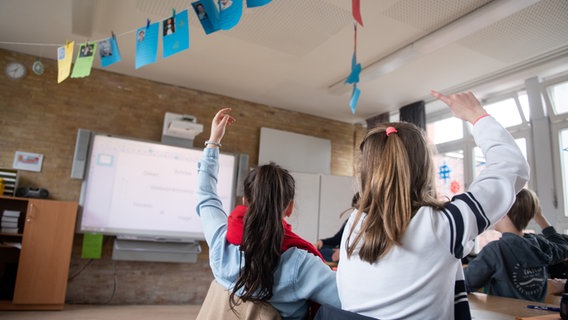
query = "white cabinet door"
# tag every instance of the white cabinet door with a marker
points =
(335, 197)
(319, 201)
(304, 218)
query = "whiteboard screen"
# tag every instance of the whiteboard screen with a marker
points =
(147, 190)
(295, 152)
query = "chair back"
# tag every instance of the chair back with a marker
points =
(216, 306)
(327, 312)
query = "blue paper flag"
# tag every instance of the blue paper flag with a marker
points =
(207, 14)
(108, 51)
(354, 98)
(257, 3)
(355, 71)
(230, 12)
(175, 34)
(147, 44)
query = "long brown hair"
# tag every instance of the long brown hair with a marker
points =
(269, 190)
(397, 178)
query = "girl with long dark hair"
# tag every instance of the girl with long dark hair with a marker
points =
(258, 270)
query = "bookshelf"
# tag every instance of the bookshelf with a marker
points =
(10, 178)
(34, 263)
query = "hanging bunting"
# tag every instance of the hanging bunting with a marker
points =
(175, 34)
(64, 59)
(84, 61)
(230, 12)
(147, 44)
(219, 15)
(354, 98)
(214, 16)
(108, 51)
(356, 10)
(257, 3)
(355, 70)
(354, 75)
(207, 14)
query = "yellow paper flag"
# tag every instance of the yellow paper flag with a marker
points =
(64, 58)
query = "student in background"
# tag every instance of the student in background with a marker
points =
(329, 247)
(516, 265)
(236, 223)
(401, 251)
(257, 270)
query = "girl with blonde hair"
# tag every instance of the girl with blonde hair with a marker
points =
(401, 251)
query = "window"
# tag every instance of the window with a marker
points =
(449, 174)
(479, 163)
(524, 101)
(557, 94)
(559, 97)
(506, 112)
(444, 130)
(459, 161)
(563, 146)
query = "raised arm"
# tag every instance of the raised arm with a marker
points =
(221, 120)
(493, 191)
(540, 219)
(209, 206)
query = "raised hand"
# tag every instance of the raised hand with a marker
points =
(463, 105)
(221, 120)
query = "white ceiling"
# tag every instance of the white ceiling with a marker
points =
(295, 54)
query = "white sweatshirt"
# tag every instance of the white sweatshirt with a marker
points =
(423, 278)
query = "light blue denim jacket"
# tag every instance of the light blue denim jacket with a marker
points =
(299, 277)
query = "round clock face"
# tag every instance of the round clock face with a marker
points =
(37, 67)
(15, 70)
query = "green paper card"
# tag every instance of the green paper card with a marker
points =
(92, 246)
(84, 61)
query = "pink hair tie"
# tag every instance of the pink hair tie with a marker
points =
(391, 130)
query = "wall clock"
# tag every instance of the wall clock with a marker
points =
(15, 70)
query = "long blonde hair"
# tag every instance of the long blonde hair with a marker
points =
(397, 178)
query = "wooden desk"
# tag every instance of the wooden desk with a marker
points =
(486, 307)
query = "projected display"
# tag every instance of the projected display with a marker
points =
(147, 190)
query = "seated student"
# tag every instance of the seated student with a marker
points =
(559, 270)
(329, 247)
(401, 251)
(258, 270)
(516, 266)
(235, 226)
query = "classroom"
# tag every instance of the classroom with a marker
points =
(306, 80)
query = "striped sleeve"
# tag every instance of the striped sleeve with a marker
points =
(457, 225)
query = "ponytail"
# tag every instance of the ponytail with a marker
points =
(396, 173)
(269, 190)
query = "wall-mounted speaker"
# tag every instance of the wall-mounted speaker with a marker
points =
(81, 153)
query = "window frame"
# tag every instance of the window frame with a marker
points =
(558, 123)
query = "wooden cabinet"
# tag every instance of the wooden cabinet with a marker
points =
(46, 243)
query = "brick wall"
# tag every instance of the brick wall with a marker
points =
(40, 116)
